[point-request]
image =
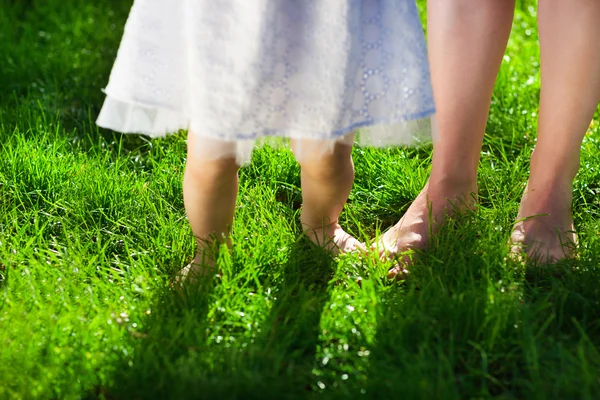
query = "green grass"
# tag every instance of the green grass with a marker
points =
(92, 225)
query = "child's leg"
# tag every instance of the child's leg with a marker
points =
(209, 191)
(570, 70)
(327, 178)
(466, 42)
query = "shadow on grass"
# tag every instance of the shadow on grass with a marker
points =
(284, 356)
(174, 357)
(570, 294)
(504, 331)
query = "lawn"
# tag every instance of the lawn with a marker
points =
(92, 228)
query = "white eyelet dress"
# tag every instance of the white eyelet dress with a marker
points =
(240, 72)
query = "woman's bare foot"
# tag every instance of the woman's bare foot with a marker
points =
(333, 238)
(422, 219)
(544, 230)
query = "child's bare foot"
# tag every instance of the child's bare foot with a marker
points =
(203, 265)
(210, 189)
(326, 179)
(423, 218)
(333, 239)
(199, 268)
(544, 230)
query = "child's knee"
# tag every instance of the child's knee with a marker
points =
(211, 170)
(210, 159)
(328, 164)
(319, 156)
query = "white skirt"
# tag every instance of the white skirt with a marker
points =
(240, 71)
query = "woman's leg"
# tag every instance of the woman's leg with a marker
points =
(466, 42)
(570, 70)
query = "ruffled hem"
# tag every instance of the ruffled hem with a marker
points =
(132, 117)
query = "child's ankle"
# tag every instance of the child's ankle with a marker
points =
(311, 223)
